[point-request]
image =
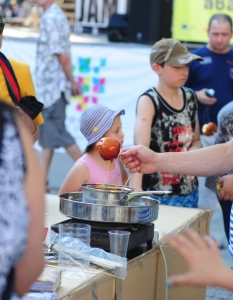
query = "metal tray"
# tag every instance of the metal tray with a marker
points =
(140, 210)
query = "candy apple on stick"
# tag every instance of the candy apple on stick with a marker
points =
(209, 129)
(108, 148)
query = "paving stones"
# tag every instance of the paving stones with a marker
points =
(216, 293)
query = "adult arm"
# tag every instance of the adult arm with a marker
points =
(29, 123)
(206, 266)
(209, 161)
(142, 132)
(191, 83)
(27, 88)
(32, 262)
(64, 60)
(204, 99)
(77, 176)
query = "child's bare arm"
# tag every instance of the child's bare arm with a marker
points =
(196, 139)
(77, 176)
(196, 144)
(142, 132)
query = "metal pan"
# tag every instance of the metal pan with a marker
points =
(111, 194)
(140, 210)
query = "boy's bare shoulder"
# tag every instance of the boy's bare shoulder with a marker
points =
(145, 103)
(144, 96)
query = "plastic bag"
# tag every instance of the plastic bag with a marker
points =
(110, 264)
(52, 237)
(113, 264)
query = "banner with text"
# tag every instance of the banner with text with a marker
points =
(111, 75)
(191, 18)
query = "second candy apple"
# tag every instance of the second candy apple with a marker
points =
(209, 129)
(108, 148)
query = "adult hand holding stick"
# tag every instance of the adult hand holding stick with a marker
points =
(139, 159)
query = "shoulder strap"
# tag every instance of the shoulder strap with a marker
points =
(193, 94)
(186, 90)
(11, 81)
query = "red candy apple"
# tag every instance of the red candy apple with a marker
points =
(209, 129)
(108, 148)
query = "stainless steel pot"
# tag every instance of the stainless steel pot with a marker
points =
(140, 210)
(111, 194)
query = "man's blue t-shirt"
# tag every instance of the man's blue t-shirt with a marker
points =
(215, 72)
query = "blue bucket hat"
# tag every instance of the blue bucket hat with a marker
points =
(96, 121)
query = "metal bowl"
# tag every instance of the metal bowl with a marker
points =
(106, 194)
(139, 210)
(112, 194)
(75, 196)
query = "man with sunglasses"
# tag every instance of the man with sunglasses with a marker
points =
(54, 83)
(21, 71)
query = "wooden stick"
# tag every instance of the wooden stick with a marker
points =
(126, 182)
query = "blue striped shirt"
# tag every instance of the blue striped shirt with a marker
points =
(230, 248)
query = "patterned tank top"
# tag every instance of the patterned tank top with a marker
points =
(172, 131)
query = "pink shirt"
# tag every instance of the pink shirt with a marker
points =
(98, 175)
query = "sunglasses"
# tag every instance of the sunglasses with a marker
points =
(2, 24)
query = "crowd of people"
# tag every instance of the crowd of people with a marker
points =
(16, 8)
(167, 154)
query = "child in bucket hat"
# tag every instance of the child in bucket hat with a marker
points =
(166, 121)
(97, 122)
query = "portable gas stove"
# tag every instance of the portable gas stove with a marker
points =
(140, 233)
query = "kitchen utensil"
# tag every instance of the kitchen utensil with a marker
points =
(140, 210)
(111, 194)
(140, 232)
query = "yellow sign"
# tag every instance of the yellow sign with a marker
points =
(191, 18)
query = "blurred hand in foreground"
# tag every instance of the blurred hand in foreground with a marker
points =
(206, 266)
